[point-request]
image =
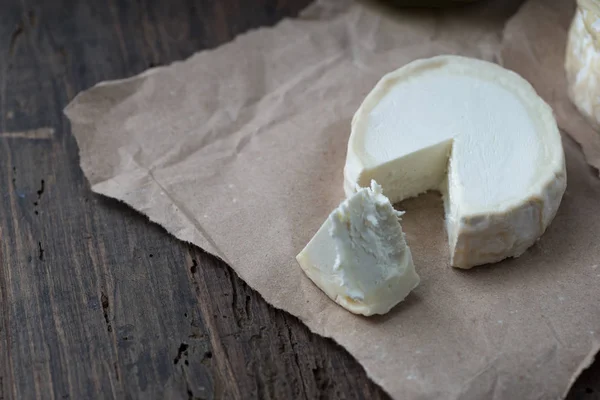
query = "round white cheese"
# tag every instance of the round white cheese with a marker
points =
(582, 61)
(474, 131)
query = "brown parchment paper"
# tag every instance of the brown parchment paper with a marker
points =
(240, 151)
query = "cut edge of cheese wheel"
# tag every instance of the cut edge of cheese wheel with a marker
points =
(477, 133)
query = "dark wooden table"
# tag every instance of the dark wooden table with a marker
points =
(96, 301)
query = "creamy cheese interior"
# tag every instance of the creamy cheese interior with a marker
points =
(359, 256)
(418, 120)
(369, 222)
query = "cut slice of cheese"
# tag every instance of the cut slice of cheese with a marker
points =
(474, 131)
(359, 256)
(582, 61)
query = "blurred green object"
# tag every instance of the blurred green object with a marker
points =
(426, 3)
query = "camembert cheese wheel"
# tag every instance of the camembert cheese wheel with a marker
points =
(474, 131)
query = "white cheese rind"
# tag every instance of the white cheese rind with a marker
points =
(582, 61)
(476, 132)
(359, 256)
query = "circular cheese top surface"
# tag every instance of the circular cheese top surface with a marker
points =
(504, 137)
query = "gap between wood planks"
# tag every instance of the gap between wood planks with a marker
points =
(32, 134)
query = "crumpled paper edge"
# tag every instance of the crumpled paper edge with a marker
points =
(585, 364)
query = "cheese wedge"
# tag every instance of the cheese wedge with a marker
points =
(476, 132)
(359, 256)
(582, 61)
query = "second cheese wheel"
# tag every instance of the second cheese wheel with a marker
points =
(582, 61)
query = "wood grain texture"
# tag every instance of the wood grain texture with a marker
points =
(95, 301)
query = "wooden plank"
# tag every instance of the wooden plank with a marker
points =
(95, 301)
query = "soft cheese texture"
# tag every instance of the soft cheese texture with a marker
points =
(474, 131)
(359, 256)
(582, 61)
